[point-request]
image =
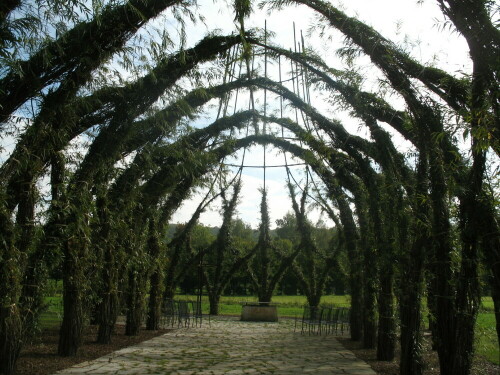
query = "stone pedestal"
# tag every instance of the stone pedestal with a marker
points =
(259, 313)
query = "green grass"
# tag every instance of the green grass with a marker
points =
(52, 316)
(288, 306)
(487, 304)
(486, 337)
(291, 306)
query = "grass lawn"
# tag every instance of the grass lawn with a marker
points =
(288, 306)
(486, 337)
(291, 306)
(52, 317)
(487, 304)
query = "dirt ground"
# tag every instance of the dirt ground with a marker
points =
(431, 361)
(40, 358)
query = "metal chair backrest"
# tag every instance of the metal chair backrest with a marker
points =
(169, 311)
(197, 312)
(312, 313)
(183, 313)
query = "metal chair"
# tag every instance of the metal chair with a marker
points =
(183, 314)
(344, 321)
(311, 319)
(197, 314)
(331, 318)
(169, 312)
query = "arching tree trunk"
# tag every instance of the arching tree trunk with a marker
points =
(31, 298)
(70, 336)
(156, 280)
(38, 265)
(314, 300)
(412, 274)
(495, 294)
(155, 299)
(454, 322)
(135, 302)
(369, 300)
(10, 338)
(369, 275)
(389, 197)
(10, 320)
(109, 303)
(214, 299)
(107, 317)
(410, 309)
(15, 312)
(386, 343)
(355, 275)
(75, 266)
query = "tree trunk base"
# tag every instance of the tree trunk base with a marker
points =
(10, 339)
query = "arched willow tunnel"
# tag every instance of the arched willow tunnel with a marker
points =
(412, 229)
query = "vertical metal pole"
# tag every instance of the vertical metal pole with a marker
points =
(265, 98)
(200, 292)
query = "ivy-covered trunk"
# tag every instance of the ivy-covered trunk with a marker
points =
(412, 274)
(155, 298)
(10, 320)
(214, 299)
(108, 312)
(139, 269)
(495, 294)
(70, 336)
(15, 312)
(108, 307)
(451, 337)
(135, 303)
(105, 311)
(410, 310)
(264, 293)
(156, 279)
(223, 251)
(265, 298)
(10, 338)
(31, 299)
(369, 298)
(174, 256)
(369, 270)
(265, 287)
(174, 273)
(377, 271)
(355, 284)
(412, 271)
(75, 267)
(355, 275)
(386, 340)
(312, 267)
(44, 255)
(468, 293)
(491, 250)
(314, 299)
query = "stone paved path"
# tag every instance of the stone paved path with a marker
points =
(230, 347)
